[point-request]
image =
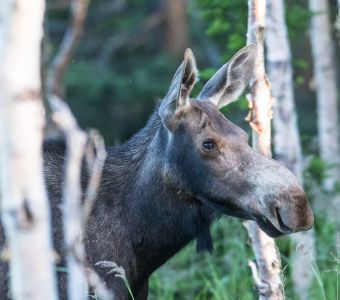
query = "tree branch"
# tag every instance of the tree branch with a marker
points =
(67, 47)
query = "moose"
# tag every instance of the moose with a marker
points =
(166, 185)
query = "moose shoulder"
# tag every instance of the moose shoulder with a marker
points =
(169, 182)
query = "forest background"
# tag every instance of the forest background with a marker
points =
(123, 65)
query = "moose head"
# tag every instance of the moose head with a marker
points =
(211, 155)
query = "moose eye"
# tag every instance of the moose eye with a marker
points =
(208, 145)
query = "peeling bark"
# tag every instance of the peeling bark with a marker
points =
(286, 134)
(268, 279)
(24, 206)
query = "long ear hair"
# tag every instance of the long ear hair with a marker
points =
(179, 91)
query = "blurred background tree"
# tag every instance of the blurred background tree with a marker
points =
(123, 66)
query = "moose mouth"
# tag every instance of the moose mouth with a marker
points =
(269, 228)
(264, 223)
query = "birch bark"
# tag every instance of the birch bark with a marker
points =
(72, 219)
(286, 134)
(326, 89)
(268, 279)
(24, 209)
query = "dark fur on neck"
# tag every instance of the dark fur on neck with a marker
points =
(142, 215)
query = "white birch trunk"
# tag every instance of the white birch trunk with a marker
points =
(80, 275)
(76, 283)
(286, 134)
(326, 88)
(268, 280)
(72, 213)
(24, 206)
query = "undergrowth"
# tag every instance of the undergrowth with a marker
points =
(225, 274)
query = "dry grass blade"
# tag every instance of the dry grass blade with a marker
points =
(118, 272)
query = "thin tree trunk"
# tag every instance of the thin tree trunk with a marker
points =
(76, 212)
(326, 89)
(67, 47)
(72, 219)
(176, 37)
(288, 150)
(286, 134)
(55, 73)
(80, 274)
(24, 210)
(268, 280)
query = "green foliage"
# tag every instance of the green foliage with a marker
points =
(225, 274)
(222, 275)
(117, 100)
(297, 18)
(317, 169)
(226, 23)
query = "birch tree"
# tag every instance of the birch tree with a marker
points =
(24, 210)
(267, 275)
(287, 150)
(281, 79)
(79, 145)
(326, 89)
(75, 216)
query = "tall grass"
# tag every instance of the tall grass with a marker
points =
(225, 275)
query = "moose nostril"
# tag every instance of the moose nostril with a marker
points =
(303, 212)
(281, 223)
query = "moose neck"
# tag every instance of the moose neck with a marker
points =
(165, 215)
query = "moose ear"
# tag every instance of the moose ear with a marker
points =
(229, 81)
(179, 91)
